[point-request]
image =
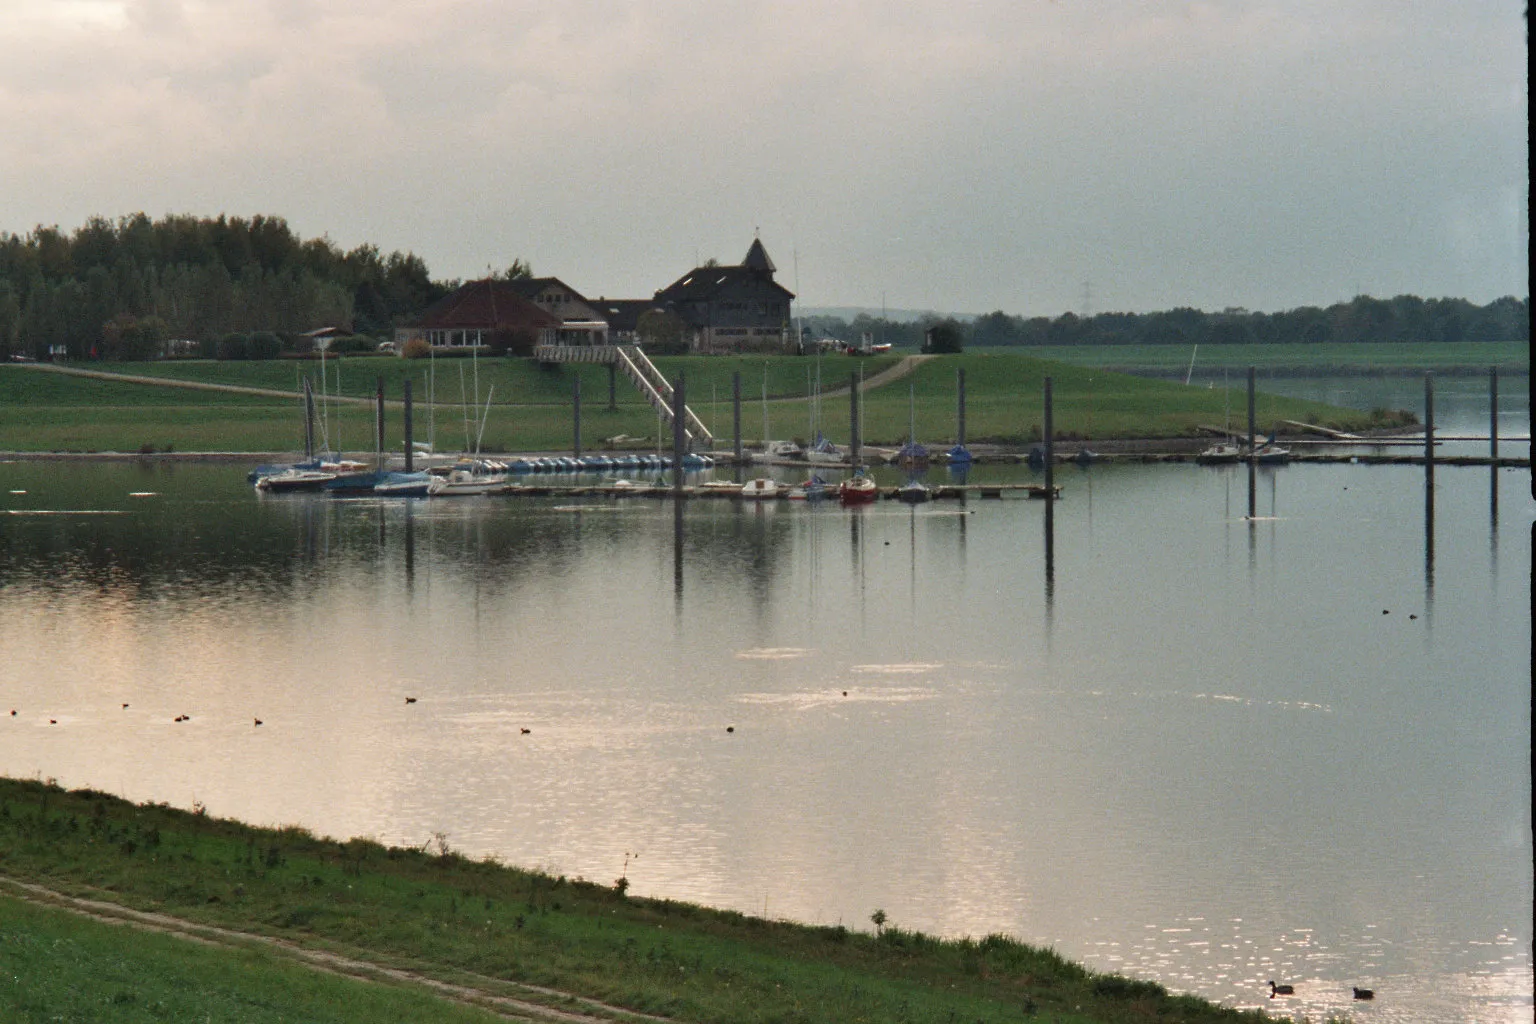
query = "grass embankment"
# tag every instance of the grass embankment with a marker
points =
(58, 966)
(530, 406)
(472, 923)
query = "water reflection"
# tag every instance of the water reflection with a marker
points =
(1216, 770)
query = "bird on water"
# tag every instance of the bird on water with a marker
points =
(1364, 993)
(1280, 990)
(410, 700)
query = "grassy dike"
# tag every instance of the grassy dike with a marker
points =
(577, 946)
(530, 406)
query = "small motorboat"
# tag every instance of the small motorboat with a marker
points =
(403, 485)
(1221, 454)
(464, 480)
(812, 489)
(294, 479)
(760, 489)
(857, 490)
(780, 451)
(1271, 455)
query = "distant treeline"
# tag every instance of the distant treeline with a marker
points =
(229, 286)
(1406, 318)
(122, 290)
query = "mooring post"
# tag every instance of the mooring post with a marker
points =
(736, 411)
(679, 403)
(1253, 454)
(1493, 413)
(613, 394)
(1050, 489)
(854, 440)
(309, 420)
(378, 424)
(576, 415)
(1429, 426)
(409, 451)
(960, 412)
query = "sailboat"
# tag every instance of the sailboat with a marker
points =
(912, 455)
(857, 489)
(1223, 452)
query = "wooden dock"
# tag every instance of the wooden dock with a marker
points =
(943, 492)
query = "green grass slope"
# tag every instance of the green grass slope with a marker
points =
(471, 921)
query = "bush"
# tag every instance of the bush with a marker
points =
(416, 348)
(263, 345)
(351, 344)
(232, 346)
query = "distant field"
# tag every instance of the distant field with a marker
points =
(1348, 358)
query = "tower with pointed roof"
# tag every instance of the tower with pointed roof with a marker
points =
(733, 309)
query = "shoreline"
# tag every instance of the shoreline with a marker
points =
(565, 944)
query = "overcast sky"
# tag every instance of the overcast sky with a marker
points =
(1030, 155)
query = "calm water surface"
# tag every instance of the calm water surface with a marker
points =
(1201, 750)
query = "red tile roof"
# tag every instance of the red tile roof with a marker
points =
(485, 305)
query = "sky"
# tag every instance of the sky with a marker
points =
(1034, 156)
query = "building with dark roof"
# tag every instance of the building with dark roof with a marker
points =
(581, 321)
(733, 309)
(623, 316)
(487, 313)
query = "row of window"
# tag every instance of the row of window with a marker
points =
(760, 308)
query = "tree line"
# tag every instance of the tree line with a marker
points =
(123, 289)
(231, 286)
(1405, 318)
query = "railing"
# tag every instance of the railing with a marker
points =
(638, 368)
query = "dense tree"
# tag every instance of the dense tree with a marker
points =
(944, 338)
(200, 278)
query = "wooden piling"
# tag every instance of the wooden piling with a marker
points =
(1429, 426)
(409, 448)
(576, 415)
(1050, 489)
(679, 406)
(736, 412)
(309, 420)
(378, 424)
(960, 411)
(1253, 455)
(1493, 412)
(854, 438)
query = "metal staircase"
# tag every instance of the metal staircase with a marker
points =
(640, 370)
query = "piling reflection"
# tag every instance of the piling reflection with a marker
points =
(677, 557)
(1429, 542)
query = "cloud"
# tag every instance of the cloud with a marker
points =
(1239, 153)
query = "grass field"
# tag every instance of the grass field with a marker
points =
(469, 922)
(1319, 359)
(530, 408)
(57, 966)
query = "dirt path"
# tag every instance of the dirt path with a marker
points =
(889, 375)
(482, 993)
(170, 382)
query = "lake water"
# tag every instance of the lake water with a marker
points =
(1200, 749)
